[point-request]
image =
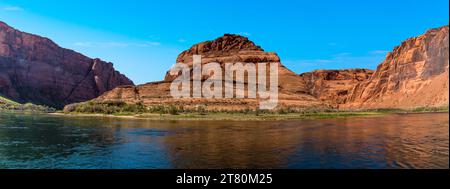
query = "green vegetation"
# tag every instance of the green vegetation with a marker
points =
(252, 117)
(113, 108)
(171, 112)
(120, 108)
(415, 110)
(159, 112)
(428, 109)
(11, 106)
(4, 101)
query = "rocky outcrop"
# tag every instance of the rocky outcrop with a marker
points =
(226, 49)
(415, 74)
(35, 69)
(229, 45)
(334, 86)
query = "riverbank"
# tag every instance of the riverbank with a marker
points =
(241, 116)
(125, 111)
(227, 116)
(140, 111)
(7, 105)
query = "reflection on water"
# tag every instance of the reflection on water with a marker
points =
(394, 141)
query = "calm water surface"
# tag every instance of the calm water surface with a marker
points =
(393, 141)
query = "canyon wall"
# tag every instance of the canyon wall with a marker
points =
(35, 69)
(415, 74)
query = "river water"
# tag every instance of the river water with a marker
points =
(380, 142)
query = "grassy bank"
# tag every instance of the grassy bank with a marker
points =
(7, 105)
(124, 109)
(140, 111)
(443, 109)
(254, 117)
(227, 116)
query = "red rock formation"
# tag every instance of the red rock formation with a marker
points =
(226, 49)
(415, 74)
(334, 86)
(35, 69)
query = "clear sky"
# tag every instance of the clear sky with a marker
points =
(143, 38)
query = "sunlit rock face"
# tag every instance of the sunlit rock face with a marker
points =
(226, 49)
(35, 69)
(415, 74)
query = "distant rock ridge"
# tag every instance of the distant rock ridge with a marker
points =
(35, 69)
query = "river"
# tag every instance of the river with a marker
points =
(381, 142)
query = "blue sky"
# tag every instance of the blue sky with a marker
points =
(143, 38)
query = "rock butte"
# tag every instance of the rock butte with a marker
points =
(226, 49)
(35, 69)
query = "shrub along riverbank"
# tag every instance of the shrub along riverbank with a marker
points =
(7, 105)
(139, 110)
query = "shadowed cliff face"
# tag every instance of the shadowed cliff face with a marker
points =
(414, 75)
(35, 69)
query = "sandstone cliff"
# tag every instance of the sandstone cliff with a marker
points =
(35, 69)
(415, 74)
(334, 86)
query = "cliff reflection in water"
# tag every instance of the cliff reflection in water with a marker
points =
(393, 141)
(396, 141)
